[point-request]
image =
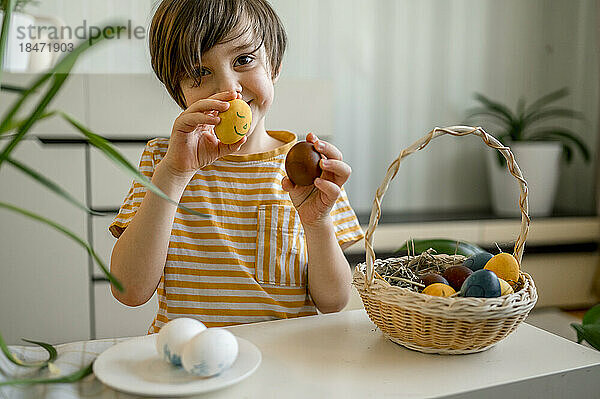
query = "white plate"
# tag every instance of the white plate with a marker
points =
(134, 367)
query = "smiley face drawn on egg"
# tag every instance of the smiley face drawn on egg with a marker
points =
(235, 122)
(244, 128)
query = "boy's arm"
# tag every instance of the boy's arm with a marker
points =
(139, 255)
(329, 275)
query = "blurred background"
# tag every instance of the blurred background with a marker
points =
(369, 76)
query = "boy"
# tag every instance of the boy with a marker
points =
(269, 249)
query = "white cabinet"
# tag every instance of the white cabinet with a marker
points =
(71, 99)
(103, 241)
(44, 290)
(113, 319)
(110, 184)
(130, 106)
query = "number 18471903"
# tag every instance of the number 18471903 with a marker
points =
(46, 47)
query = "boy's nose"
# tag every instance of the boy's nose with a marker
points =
(229, 83)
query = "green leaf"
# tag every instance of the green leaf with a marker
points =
(9, 6)
(518, 129)
(550, 113)
(441, 246)
(12, 125)
(74, 377)
(69, 234)
(496, 118)
(502, 138)
(500, 158)
(7, 120)
(501, 109)
(566, 136)
(580, 333)
(102, 144)
(591, 334)
(547, 99)
(52, 354)
(568, 153)
(592, 316)
(51, 186)
(521, 108)
(63, 67)
(34, 116)
(20, 5)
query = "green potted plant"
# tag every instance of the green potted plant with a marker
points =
(537, 145)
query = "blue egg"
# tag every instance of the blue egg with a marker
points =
(481, 284)
(477, 261)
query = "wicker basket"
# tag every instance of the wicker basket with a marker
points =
(430, 324)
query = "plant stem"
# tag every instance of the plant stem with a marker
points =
(9, 5)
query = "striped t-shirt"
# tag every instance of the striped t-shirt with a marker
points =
(248, 261)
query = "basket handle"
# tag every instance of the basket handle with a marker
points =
(492, 142)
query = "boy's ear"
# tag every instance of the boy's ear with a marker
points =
(277, 74)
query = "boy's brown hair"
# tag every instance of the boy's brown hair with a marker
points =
(181, 30)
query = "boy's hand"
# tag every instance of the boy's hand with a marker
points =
(314, 202)
(193, 143)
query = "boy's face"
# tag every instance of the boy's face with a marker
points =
(234, 66)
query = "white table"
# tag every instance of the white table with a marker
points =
(344, 355)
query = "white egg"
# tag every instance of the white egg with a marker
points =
(210, 352)
(174, 335)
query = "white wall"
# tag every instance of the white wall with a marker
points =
(125, 56)
(400, 67)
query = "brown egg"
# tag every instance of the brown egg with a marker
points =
(456, 275)
(302, 164)
(432, 278)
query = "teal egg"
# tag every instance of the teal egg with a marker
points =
(477, 261)
(481, 284)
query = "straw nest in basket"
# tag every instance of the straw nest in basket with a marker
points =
(434, 324)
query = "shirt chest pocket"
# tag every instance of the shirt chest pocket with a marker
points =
(281, 254)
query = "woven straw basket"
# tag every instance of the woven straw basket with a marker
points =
(445, 325)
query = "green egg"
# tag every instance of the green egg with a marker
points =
(477, 261)
(481, 284)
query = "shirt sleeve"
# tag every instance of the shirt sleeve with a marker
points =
(136, 192)
(345, 222)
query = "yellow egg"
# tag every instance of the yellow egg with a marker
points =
(505, 288)
(439, 289)
(505, 266)
(235, 122)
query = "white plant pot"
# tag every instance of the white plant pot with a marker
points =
(540, 164)
(16, 58)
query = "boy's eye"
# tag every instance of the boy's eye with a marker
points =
(204, 71)
(243, 60)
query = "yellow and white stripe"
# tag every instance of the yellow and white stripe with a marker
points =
(248, 261)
